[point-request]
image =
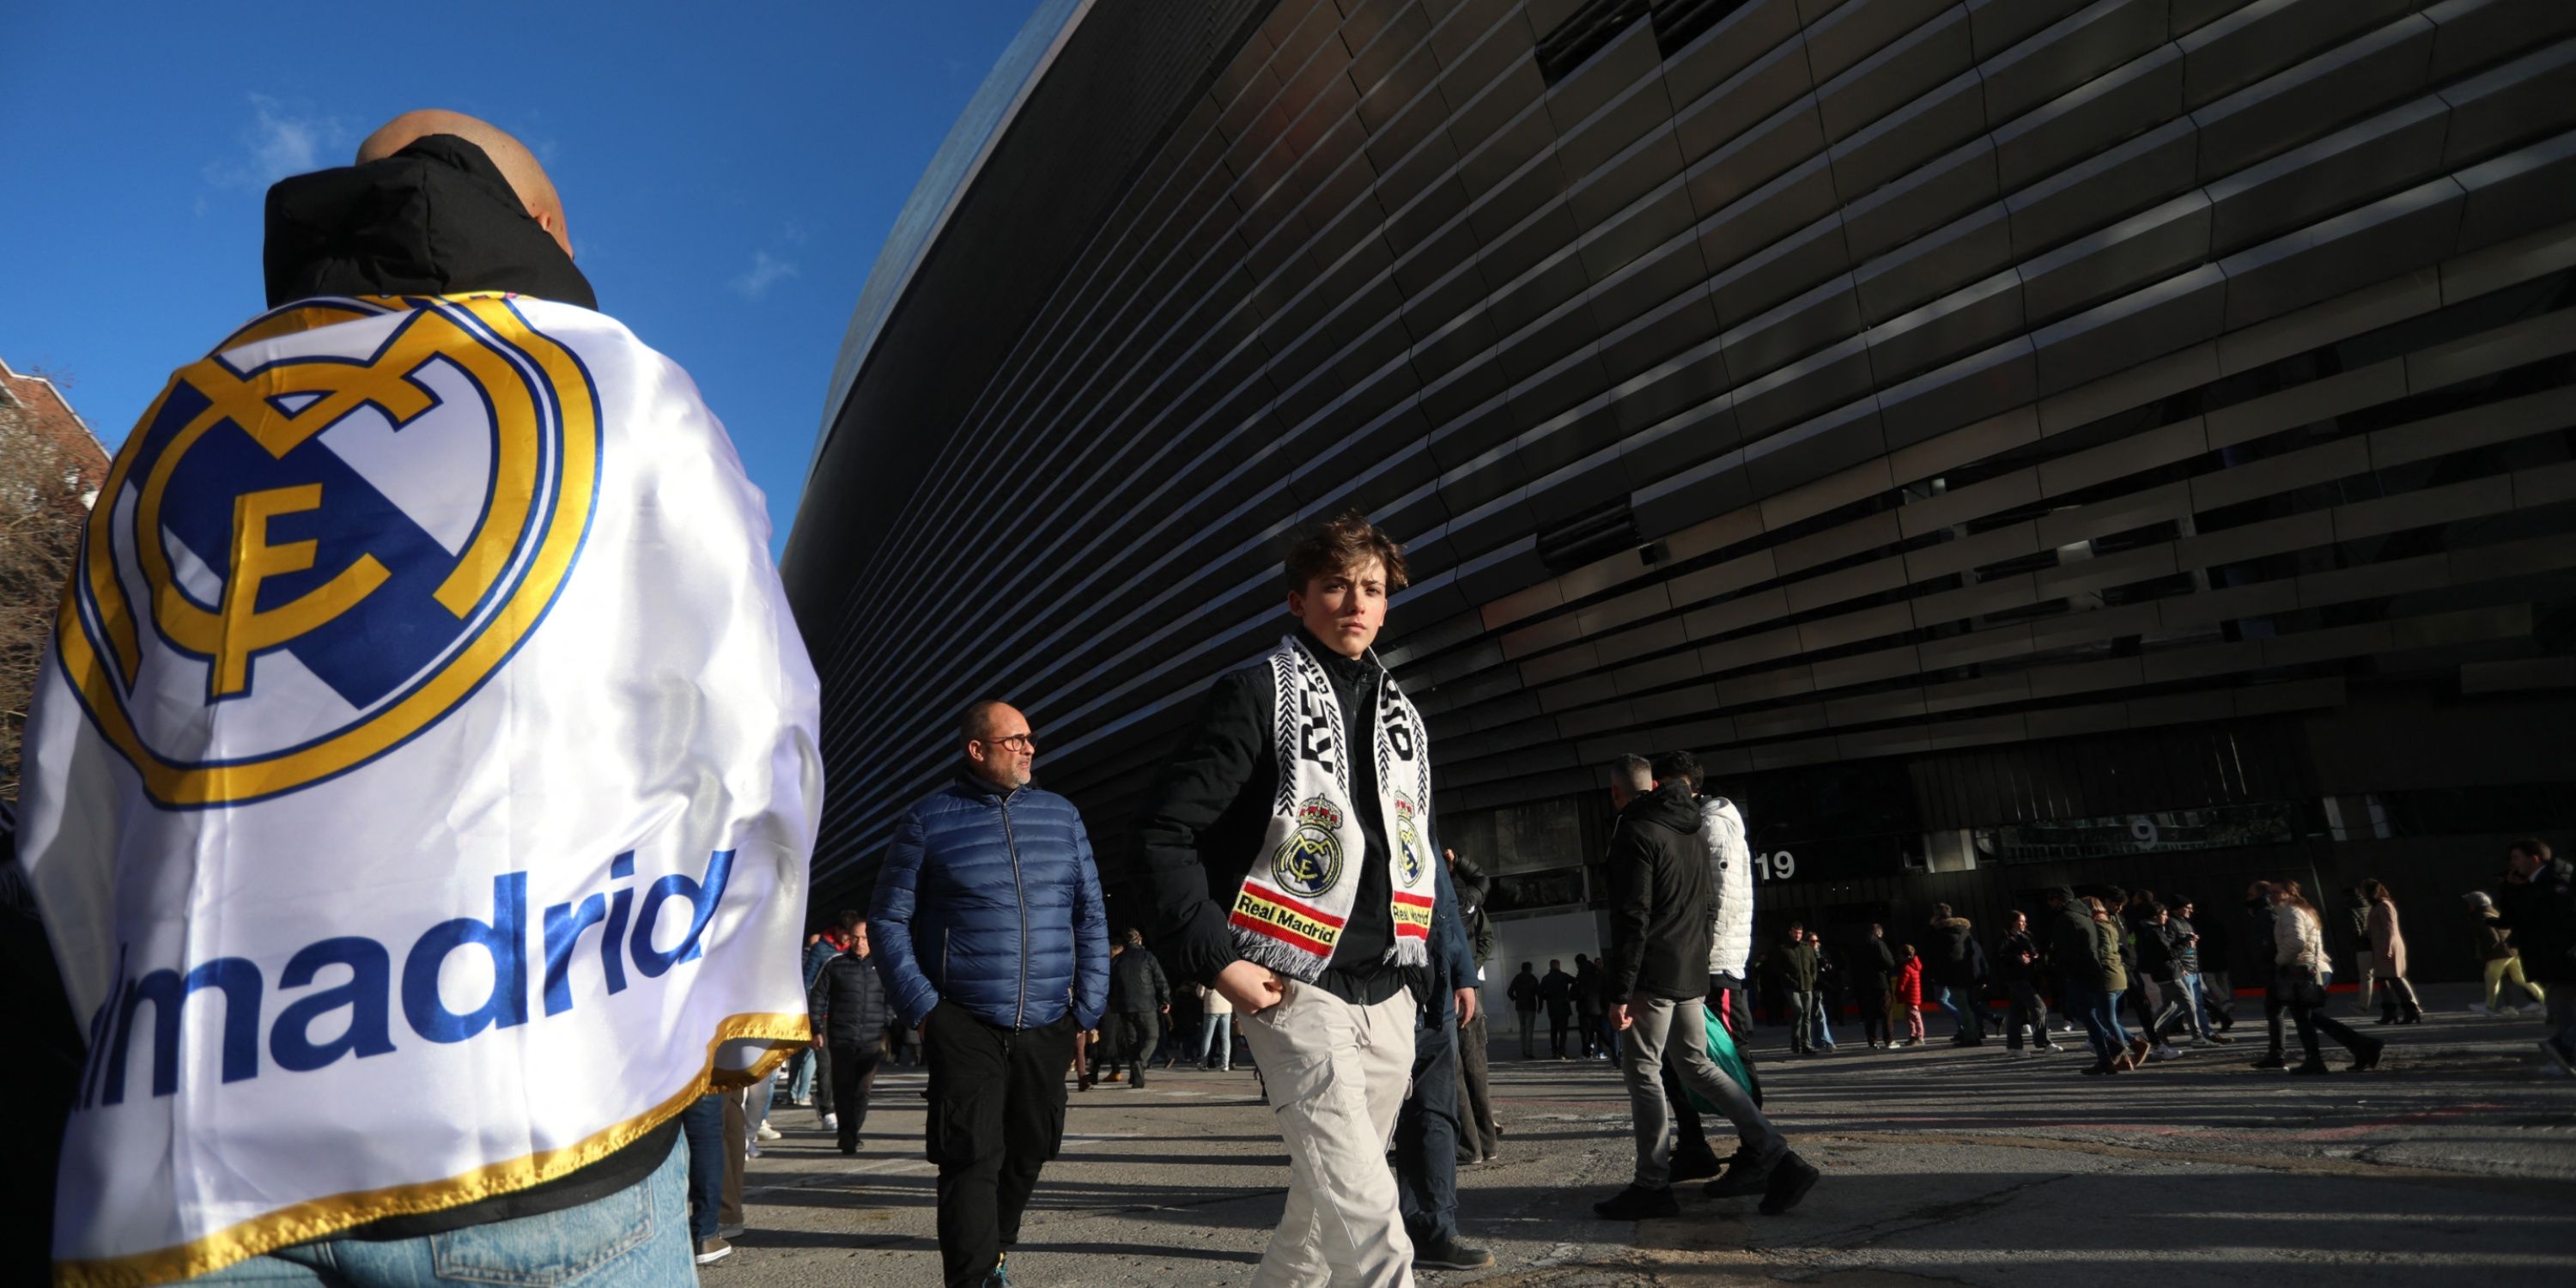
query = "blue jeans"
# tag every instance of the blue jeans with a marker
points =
(1216, 1033)
(1959, 1021)
(702, 1127)
(637, 1237)
(2192, 1005)
(800, 1076)
(1426, 1133)
(2099, 1012)
(1824, 1020)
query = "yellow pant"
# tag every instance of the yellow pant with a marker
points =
(2510, 968)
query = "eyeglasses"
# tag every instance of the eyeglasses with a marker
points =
(1017, 742)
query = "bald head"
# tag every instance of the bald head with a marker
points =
(517, 165)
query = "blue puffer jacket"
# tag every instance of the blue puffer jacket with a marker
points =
(992, 903)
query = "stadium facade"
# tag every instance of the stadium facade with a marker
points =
(2011, 442)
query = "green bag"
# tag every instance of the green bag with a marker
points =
(1721, 1048)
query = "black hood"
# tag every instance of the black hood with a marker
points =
(435, 218)
(1667, 806)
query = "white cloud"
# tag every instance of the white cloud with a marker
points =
(766, 270)
(280, 142)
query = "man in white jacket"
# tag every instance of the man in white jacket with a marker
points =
(1721, 839)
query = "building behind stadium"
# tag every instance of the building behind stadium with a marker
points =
(2010, 442)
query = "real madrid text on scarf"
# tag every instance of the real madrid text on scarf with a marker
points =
(422, 786)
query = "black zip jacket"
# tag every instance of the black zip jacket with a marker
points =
(848, 1003)
(1137, 985)
(2009, 963)
(1203, 826)
(2542, 916)
(1659, 924)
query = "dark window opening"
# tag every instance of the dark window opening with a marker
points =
(1585, 32)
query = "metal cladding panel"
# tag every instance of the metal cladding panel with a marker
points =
(1802, 385)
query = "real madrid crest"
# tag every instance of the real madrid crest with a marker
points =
(1309, 862)
(1408, 844)
(338, 528)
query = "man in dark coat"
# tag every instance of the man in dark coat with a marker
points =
(1950, 958)
(847, 1003)
(1140, 995)
(1556, 988)
(2537, 902)
(1479, 1138)
(2017, 962)
(1658, 974)
(1524, 995)
(1588, 1004)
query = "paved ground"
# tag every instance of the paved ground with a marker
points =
(2454, 1165)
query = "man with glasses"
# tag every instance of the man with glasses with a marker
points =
(991, 936)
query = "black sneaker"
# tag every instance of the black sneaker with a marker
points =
(1745, 1175)
(1694, 1165)
(2272, 1061)
(1637, 1203)
(2365, 1057)
(1449, 1254)
(1791, 1178)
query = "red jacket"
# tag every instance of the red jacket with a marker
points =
(1907, 983)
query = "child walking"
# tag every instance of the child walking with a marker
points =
(1905, 995)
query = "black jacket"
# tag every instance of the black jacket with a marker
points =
(1203, 825)
(2542, 916)
(2017, 957)
(434, 218)
(1556, 988)
(2067, 937)
(1872, 963)
(2179, 932)
(1473, 888)
(1950, 957)
(848, 1002)
(2257, 951)
(2155, 950)
(1137, 984)
(1659, 924)
(1523, 992)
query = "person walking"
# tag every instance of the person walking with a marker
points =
(1658, 967)
(2299, 953)
(1480, 1138)
(1140, 994)
(2397, 1002)
(992, 939)
(1797, 959)
(1429, 1129)
(2537, 902)
(1905, 995)
(2498, 959)
(2216, 952)
(1951, 952)
(1216, 1030)
(1873, 968)
(825, 946)
(2186, 1003)
(1524, 995)
(2155, 977)
(847, 1004)
(2365, 958)
(2016, 960)
(1588, 1007)
(1720, 847)
(1828, 994)
(1298, 878)
(1556, 988)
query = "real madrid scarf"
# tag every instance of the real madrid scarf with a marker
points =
(421, 787)
(1296, 899)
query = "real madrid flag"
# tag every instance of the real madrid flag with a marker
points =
(421, 791)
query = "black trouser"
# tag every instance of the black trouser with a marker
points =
(823, 1082)
(2027, 1009)
(1427, 1133)
(1558, 1021)
(1873, 1011)
(2146, 997)
(1137, 1032)
(996, 1117)
(1587, 1028)
(2218, 996)
(854, 1074)
(1476, 1093)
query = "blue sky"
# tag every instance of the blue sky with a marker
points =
(728, 171)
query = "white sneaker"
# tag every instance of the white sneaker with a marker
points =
(751, 1149)
(2480, 1008)
(831, 1122)
(2530, 1008)
(768, 1132)
(2166, 1052)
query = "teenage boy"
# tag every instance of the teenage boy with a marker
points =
(1289, 863)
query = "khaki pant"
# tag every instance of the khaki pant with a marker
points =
(2510, 968)
(1335, 1074)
